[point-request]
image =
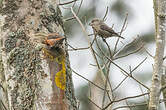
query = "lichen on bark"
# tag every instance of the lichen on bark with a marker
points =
(30, 78)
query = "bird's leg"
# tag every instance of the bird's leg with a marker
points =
(93, 40)
(95, 35)
(104, 40)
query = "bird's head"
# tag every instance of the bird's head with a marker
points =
(54, 40)
(95, 22)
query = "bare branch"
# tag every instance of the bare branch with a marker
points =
(123, 26)
(104, 18)
(71, 18)
(131, 97)
(66, 3)
(74, 49)
(120, 83)
(135, 51)
(129, 106)
(126, 73)
(138, 65)
(95, 104)
(89, 80)
(149, 53)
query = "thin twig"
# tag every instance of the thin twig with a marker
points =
(107, 73)
(92, 64)
(149, 53)
(90, 93)
(131, 97)
(95, 104)
(126, 72)
(135, 51)
(67, 2)
(138, 65)
(106, 82)
(71, 18)
(107, 77)
(88, 80)
(123, 26)
(120, 83)
(129, 106)
(104, 18)
(123, 47)
(74, 49)
(143, 93)
(108, 48)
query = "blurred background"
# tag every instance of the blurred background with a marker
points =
(140, 25)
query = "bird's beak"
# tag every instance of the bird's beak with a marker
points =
(60, 38)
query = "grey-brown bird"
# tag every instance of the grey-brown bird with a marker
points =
(102, 29)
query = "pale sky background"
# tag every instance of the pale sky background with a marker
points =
(142, 22)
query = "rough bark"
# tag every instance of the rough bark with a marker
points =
(30, 79)
(163, 83)
(160, 14)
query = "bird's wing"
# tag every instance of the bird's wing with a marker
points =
(103, 26)
(106, 28)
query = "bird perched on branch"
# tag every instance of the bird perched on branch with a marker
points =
(102, 29)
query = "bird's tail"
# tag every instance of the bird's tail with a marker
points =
(119, 36)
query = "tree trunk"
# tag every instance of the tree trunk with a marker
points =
(160, 23)
(163, 83)
(30, 78)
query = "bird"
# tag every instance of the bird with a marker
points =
(53, 44)
(54, 40)
(102, 29)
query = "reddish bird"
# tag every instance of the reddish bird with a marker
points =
(54, 40)
(53, 43)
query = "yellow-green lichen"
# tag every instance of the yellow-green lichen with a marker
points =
(11, 40)
(26, 63)
(9, 9)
